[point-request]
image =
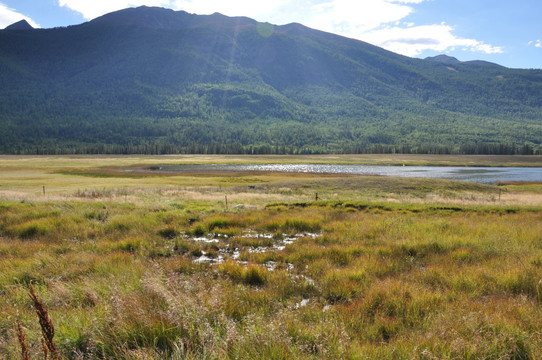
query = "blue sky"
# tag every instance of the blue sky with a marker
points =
(506, 32)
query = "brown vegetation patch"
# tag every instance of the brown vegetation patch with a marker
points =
(504, 183)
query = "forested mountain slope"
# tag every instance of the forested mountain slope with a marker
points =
(155, 80)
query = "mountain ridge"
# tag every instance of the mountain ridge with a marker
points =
(161, 18)
(20, 25)
(445, 59)
(144, 78)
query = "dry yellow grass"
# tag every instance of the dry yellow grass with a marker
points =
(87, 178)
(122, 280)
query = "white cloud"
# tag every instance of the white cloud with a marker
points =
(536, 43)
(408, 1)
(414, 40)
(355, 18)
(380, 22)
(9, 16)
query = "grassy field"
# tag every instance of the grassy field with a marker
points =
(252, 266)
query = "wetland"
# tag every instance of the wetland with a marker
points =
(250, 265)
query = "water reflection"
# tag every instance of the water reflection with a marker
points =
(487, 175)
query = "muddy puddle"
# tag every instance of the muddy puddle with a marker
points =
(270, 243)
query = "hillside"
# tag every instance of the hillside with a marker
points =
(158, 81)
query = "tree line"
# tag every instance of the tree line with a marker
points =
(159, 148)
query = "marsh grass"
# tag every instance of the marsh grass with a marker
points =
(80, 179)
(380, 277)
(391, 272)
(249, 275)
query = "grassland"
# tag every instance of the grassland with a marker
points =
(251, 266)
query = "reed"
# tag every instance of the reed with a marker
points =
(47, 328)
(21, 336)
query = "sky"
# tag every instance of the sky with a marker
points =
(507, 32)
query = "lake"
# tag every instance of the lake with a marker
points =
(487, 175)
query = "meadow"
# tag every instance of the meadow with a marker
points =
(135, 265)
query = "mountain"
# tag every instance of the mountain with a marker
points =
(156, 80)
(445, 59)
(20, 25)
